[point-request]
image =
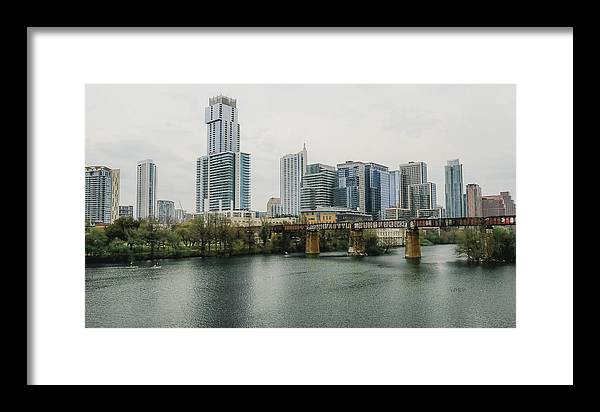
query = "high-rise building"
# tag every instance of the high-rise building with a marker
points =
(274, 207)
(179, 215)
(511, 207)
(317, 186)
(223, 175)
(146, 189)
(454, 189)
(291, 170)
(222, 127)
(166, 211)
(498, 205)
(364, 187)
(422, 196)
(126, 211)
(411, 173)
(101, 194)
(394, 188)
(474, 207)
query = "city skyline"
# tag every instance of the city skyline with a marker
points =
(126, 123)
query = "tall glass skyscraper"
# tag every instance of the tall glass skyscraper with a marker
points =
(364, 187)
(146, 189)
(101, 194)
(222, 175)
(454, 189)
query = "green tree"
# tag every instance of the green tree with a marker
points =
(96, 242)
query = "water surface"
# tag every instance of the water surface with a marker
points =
(295, 291)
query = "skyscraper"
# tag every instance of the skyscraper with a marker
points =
(394, 188)
(146, 189)
(474, 207)
(222, 127)
(317, 186)
(364, 187)
(411, 173)
(291, 170)
(454, 189)
(101, 194)
(166, 211)
(223, 175)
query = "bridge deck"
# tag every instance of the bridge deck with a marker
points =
(413, 224)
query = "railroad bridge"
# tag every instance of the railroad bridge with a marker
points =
(412, 244)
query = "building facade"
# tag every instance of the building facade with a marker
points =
(474, 206)
(333, 215)
(498, 205)
(146, 189)
(454, 189)
(317, 186)
(292, 168)
(395, 188)
(397, 213)
(411, 173)
(126, 211)
(274, 207)
(179, 215)
(223, 174)
(364, 187)
(422, 196)
(102, 191)
(166, 211)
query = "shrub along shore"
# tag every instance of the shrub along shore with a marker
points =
(128, 240)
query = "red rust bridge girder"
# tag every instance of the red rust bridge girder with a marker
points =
(411, 224)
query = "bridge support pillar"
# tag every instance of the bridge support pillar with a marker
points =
(357, 244)
(312, 243)
(412, 248)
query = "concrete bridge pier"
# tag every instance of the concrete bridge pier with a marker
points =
(357, 244)
(312, 243)
(412, 245)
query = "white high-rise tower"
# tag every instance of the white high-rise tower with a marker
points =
(146, 189)
(222, 175)
(292, 168)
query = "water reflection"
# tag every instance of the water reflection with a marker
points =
(294, 291)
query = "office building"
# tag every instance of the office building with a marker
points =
(395, 188)
(146, 189)
(166, 211)
(421, 196)
(317, 186)
(274, 207)
(498, 205)
(292, 168)
(126, 211)
(179, 215)
(474, 206)
(454, 189)
(411, 173)
(362, 186)
(101, 194)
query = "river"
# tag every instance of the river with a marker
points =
(441, 291)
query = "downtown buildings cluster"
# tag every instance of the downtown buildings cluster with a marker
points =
(308, 192)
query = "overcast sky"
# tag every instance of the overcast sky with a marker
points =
(386, 124)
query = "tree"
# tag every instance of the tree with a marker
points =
(96, 242)
(265, 231)
(371, 243)
(471, 244)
